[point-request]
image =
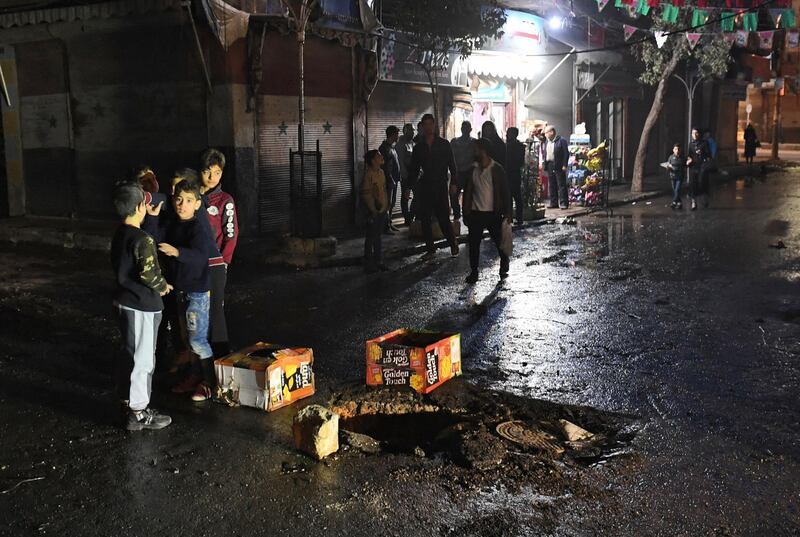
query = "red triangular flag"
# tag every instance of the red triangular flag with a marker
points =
(628, 30)
(765, 39)
(694, 38)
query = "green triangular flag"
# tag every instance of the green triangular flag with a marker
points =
(727, 21)
(699, 18)
(618, 3)
(643, 7)
(789, 19)
(670, 13)
(750, 22)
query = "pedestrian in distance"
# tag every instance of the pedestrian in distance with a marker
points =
(391, 169)
(220, 210)
(498, 153)
(184, 242)
(376, 202)
(555, 154)
(404, 147)
(697, 161)
(463, 152)
(487, 204)
(515, 160)
(750, 143)
(676, 169)
(138, 305)
(431, 161)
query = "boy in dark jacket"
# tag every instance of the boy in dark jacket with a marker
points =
(137, 300)
(184, 240)
(676, 167)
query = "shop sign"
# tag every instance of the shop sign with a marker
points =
(523, 34)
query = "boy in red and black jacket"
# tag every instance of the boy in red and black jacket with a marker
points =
(221, 211)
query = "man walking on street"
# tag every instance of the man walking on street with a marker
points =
(464, 154)
(487, 202)
(391, 169)
(698, 162)
(434, 157)
(515, 160)
(404, 147)
(556, 155)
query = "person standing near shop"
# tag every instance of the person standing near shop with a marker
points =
(750, 143)
(464, 154)
(676, 168)
(404, 147)
(487, 202)
(391, 169)
(699, 155)
(515, 160)
(498, 153)
(434, 158)
(556, 156)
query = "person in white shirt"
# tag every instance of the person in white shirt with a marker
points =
(487, 202)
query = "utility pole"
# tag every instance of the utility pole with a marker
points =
(776, 105)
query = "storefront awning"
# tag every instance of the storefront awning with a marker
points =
(505, 66)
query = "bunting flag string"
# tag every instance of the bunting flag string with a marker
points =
(601, 4)
(661, 38)
(628, 31)
(694, 38)
(730, 38)
(742, 37)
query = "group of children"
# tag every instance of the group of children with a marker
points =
(194, 229)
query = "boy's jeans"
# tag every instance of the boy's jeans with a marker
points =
(193, 314)
(676, 190)
(139, 330)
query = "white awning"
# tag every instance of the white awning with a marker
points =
(505, 66)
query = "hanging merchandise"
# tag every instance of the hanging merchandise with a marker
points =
(699, 18)
(661, 38)
(750, 22)
(765, 39)
(726, 21)
(694, 38)
(792, 39)
(742, 38)
(628, 31)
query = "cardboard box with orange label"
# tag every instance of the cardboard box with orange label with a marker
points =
(418, 359)
(266, 376)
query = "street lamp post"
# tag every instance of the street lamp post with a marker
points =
(690, 82)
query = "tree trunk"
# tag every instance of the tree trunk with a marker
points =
(637, 184)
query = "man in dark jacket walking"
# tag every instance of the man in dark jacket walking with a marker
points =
(434, 156)
(487, 202)
(515, 160)
(391, 169)
(698, 162)
(555, 154)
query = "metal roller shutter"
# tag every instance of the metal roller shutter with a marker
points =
(330, 122)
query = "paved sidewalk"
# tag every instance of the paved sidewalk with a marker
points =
(96, 234)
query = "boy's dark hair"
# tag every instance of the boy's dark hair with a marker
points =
(127, 197)
(369, 156)
(189, 187)
(484, 144)
(512, 132)
(426, 117)
(187, 174)
(676, 144)
(391, 130)
(210, 157)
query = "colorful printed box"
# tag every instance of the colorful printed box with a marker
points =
(266, 376)
(419, 359)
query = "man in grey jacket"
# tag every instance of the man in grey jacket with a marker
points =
(555, 155)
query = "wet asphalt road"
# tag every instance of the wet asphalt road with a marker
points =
(686, 321)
